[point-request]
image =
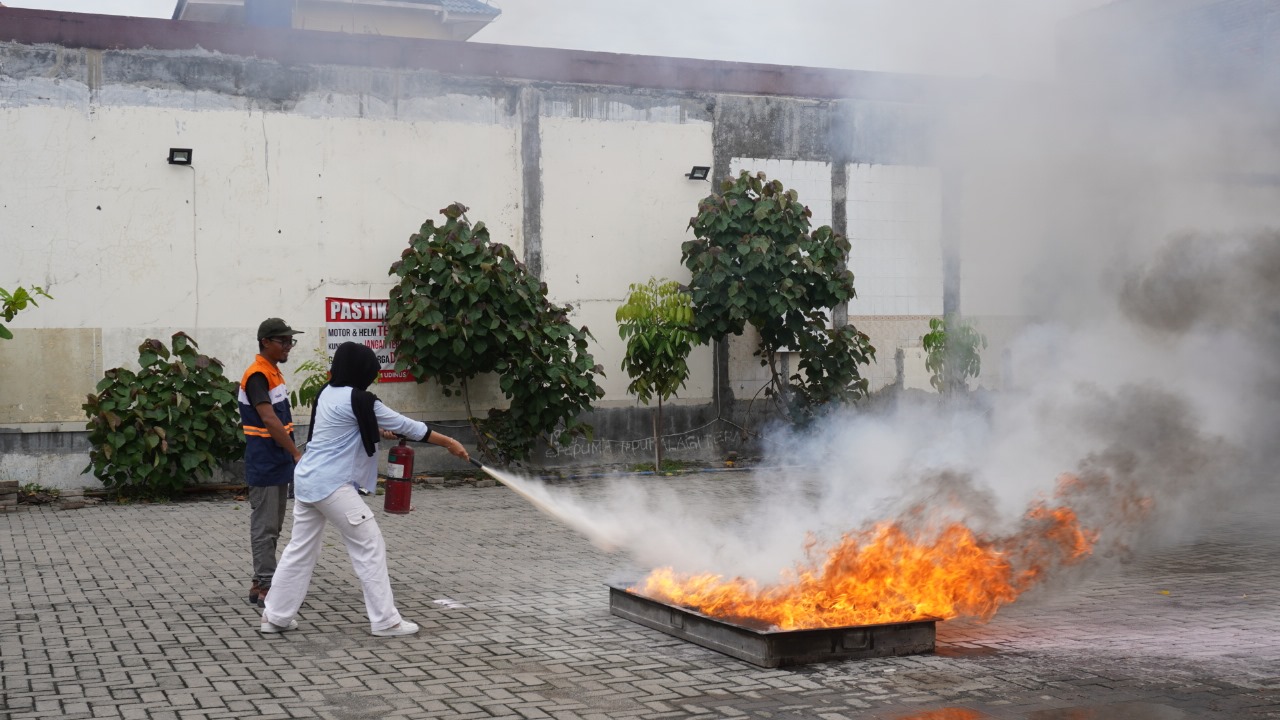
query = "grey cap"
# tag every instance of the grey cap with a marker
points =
(275, 327)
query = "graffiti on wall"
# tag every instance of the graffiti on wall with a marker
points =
(643, 448)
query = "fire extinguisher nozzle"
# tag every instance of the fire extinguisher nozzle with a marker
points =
(476, 463)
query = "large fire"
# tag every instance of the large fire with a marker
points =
(888, 573)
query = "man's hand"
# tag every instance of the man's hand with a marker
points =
(387, 434)
(277, 431)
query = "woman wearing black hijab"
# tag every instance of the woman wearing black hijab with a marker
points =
(341, 455)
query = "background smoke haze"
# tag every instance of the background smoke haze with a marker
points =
(971, 38)
(1114, 230)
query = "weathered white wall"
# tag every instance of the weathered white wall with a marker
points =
(277, 211)
(615, 207)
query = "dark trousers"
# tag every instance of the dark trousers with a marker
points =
(265, 522)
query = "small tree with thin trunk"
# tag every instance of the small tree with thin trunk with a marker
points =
(11, 303)
(656, 322)
(953, 353)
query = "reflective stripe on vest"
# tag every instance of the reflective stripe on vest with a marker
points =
(277, 393)
(265, 462)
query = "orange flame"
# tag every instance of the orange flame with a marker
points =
(887, 574)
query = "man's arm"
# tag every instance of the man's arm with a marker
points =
(277, 431)
(256, 388)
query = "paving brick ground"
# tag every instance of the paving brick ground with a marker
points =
(136, 611)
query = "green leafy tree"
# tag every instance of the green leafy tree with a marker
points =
(314, 374)
(953, 353)
(463, 306)
(11, 303)
(755, 262)
(156, 431)
(655, 321)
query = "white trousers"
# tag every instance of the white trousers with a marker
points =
(355, 522)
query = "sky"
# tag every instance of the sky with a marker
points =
(1000, 38)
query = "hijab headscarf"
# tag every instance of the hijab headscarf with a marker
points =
(355, 366)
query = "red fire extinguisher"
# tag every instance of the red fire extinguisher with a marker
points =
(399, 479)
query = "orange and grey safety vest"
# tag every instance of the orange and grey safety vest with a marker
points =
(265, 462)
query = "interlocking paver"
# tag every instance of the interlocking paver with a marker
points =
(136, 611)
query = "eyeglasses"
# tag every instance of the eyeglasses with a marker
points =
(284, 341)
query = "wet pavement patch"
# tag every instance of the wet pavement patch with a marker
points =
(1121, 711)
(943, 714)
(956, 651)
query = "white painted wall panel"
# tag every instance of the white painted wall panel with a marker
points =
(894, 222)
(276, 212)
(616, 206)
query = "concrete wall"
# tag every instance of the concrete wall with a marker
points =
(316, 155)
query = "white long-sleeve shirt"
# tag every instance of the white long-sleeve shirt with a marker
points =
(335, 455)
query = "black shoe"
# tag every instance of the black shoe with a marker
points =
(258, 593)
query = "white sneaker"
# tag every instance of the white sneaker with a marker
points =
(273, 628)
(404, 628)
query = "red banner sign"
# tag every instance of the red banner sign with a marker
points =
(364, 322)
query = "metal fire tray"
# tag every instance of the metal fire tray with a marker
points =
(770, 648)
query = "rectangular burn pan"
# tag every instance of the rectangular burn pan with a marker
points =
(775, 648)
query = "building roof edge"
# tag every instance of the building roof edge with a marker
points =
(293, 46)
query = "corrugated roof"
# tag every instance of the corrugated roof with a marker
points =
(463, 7)
(458, 7)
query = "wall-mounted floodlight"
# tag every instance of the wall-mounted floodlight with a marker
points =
(179, 156)
(699, 172)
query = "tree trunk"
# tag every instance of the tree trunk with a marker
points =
(777, 379)
(481, 445)
(657, 437)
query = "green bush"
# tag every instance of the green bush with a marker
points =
(161, 429)
(953, 353)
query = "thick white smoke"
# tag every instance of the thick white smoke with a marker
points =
(1117, 231)
(973, 38)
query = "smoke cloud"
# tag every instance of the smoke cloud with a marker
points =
(1116, 230)
(1002, 38)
